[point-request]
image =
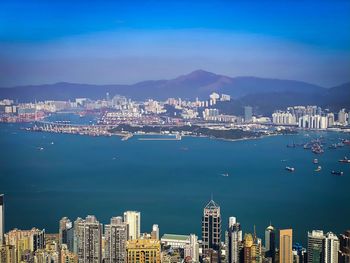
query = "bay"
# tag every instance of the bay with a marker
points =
(171, 181)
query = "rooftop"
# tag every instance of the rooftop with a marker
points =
(176, 237)
(212, 205)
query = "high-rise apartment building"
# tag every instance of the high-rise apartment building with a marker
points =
(286, 241)
(26, 242)
(115, 241)
(315, 246)
(66, 233)
(343, 117)
(143, 250)
(133, 220)
(88, 239)
(330, 248)
(344, 247)
(67, 256)
(8, 254)
(211, 229)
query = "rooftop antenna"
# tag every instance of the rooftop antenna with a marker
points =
(254, 233)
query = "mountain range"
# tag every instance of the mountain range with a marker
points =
(264, 94)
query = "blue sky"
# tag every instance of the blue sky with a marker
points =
(130, 41)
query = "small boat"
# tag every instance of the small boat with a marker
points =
(318, 169)
(344, 160)
(52, 143)
(307, 146)
(338, 173)
(40, 148)
(340, 144)
(225, 175)
(290, 169)
(315, 161)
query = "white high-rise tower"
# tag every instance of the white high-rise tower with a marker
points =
(133, 220)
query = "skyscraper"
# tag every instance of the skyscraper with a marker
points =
(344, 247)
(270, 243)
(211, 230)
(330, 248)
(234, 239)
(2, 219)
(66, 233)
(286, 241)
(143, 250)
(88, 238)
(133, 220)
(315, 246)
(115, 237)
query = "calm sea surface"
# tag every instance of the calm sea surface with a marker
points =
(171, 181)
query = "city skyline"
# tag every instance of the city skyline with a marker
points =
(85, 241)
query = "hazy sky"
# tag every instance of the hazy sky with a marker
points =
(130, 41)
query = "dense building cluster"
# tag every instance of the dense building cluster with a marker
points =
(310, 117)
(173, 112)
(121, 241)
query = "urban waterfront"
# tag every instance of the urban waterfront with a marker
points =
(46, 176)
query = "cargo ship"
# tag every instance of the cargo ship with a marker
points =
(344, 160)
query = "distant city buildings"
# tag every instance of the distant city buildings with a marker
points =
(310, 117)
(248, 113)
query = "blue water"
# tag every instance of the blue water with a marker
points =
(171, 181)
